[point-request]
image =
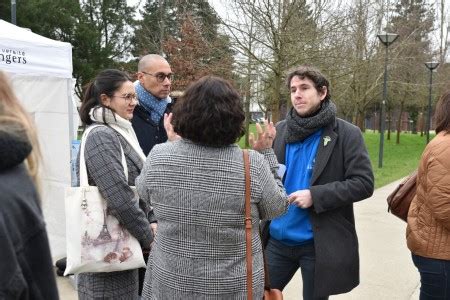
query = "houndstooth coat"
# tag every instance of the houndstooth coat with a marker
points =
(105, 170)
(198, 197)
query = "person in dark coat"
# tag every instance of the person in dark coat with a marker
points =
(327, 170)
(152, 89)
(26, 270)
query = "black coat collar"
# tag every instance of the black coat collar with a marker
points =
(14, 148)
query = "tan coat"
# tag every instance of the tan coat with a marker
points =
(428, 231)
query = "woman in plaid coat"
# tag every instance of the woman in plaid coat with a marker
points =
(196, 187)
(109, 101)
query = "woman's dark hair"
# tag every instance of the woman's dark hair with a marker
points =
(442, 114)
(106, 82)
(210, 113)
(312, 74)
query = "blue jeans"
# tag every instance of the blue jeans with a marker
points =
(283, 261)
(434, 277)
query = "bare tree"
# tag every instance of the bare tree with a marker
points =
(413, 21)
(360, 73)
(279, 31)
(443, 32)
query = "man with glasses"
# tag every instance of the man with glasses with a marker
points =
(152, 89)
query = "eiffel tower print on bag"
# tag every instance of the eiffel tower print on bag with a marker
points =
(104, 233)
(96, 242)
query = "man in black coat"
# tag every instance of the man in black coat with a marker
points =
(152, 89)
(327, 170)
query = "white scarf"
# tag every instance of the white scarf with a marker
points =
(119, 124)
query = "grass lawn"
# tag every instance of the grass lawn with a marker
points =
(398, 160)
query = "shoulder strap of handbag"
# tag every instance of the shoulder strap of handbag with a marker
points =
(83, 169)
(248, 226)
(134, 144)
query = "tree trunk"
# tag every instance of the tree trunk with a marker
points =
(359, 120)
(247, 110)
(443, 40)
(389, 117)
(276, 99)
(161, 26)
(421, 123)
(399, 122)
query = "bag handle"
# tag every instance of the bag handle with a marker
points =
(83, 169)
(248, 226)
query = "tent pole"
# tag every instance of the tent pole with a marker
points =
(70, 111)
(13, 12)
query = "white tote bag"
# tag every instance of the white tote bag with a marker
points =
(96, 242)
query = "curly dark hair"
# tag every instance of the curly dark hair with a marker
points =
(210, 113)
(312, 74)
(106, 82)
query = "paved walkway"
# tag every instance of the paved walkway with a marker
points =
(387, 272)
(66, 288)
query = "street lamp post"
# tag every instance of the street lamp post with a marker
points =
(431, 65)
(386, 39)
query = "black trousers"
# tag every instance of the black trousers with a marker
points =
(142, 273)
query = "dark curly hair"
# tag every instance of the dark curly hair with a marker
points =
(312, 74)
(106, 82)
(210, 113)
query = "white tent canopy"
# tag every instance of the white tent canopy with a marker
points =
(24, 52)
(40, 70)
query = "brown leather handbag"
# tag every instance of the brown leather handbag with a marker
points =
(400, 199)
(269, 294)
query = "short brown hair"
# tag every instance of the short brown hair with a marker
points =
(442, 114)
(210, 113)
(312, 74)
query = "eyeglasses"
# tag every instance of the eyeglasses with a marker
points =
(160, 77)
(128, 97)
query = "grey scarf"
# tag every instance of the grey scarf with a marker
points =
(298, 128)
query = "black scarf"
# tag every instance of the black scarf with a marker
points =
(298, 128)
